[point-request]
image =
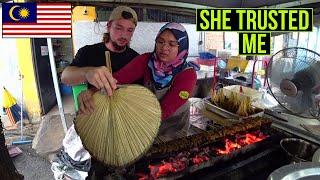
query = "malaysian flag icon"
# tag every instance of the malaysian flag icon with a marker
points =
(36, 20)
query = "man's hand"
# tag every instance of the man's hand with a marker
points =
(101, 77)
(85, 100)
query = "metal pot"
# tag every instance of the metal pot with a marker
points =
(298, 171)
(316, 156)
(298, 150)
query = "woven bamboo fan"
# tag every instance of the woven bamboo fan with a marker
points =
(122, 127)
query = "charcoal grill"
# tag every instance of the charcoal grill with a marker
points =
(255, 160)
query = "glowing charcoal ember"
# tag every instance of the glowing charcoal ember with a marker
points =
(241, 141)
(141, 176)
(229, 147)
(251, 138)
(180, 165)
(165, 169)
(153, 170)
(199, 159)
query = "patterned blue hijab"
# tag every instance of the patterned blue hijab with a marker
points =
(163, 72)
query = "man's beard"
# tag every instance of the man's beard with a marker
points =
(117, 47)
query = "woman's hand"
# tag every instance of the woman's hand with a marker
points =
(85, 101)
(101, 77)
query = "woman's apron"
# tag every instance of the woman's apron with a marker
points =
(177, 123)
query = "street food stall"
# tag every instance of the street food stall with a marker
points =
(251, 117)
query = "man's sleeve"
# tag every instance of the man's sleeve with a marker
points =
(132, 71)
(179, 92)
(81, 58)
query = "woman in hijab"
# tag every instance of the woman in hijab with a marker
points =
(166, 73)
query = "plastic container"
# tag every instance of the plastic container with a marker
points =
(76, 90)
(65, 90)
(206, 55)
(237, 62)
(206, 62)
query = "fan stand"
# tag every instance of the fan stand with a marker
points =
(315, 129)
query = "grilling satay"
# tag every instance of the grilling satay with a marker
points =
(207, 137)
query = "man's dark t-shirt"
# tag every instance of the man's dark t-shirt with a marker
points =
(94, 56)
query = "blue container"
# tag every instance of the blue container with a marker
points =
(206, 55)
(65, 90)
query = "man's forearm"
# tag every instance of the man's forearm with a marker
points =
(73, 75)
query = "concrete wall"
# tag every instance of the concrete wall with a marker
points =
(214, 40)
(9, 69)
